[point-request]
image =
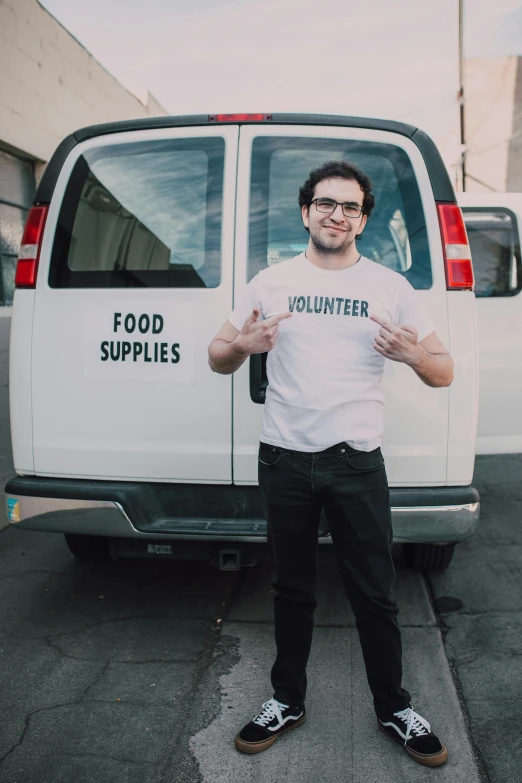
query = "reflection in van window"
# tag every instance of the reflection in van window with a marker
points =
(142, 214)
(395, 235)
(495, 251)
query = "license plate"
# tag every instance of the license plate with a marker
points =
(159, 549)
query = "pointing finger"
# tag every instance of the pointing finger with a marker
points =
(276, 318)
(382, 321)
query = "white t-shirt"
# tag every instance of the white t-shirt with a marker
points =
(324, 374)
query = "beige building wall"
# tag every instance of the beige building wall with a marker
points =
(493, 101)
(50, 85)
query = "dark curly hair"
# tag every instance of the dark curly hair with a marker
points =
(338, 168)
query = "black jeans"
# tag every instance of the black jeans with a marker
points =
(352, 487)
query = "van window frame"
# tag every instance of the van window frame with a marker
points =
(392, 151)
(516, 245)
(61, 276)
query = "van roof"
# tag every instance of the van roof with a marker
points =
(439, 177)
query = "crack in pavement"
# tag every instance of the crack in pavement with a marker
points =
(203, 662)
(27, 721)
(76, 702)
(127, 618)
(169, 618)
(29, 715)
(107, 620)
(96, 681)
(113, 660)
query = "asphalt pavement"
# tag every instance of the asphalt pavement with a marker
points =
(144, 670)
(483, 639)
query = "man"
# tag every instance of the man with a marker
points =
(329, 319)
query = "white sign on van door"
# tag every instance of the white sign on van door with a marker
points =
(140, 341)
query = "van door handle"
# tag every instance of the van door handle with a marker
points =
(258, 378)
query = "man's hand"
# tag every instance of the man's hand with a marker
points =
(398, 343)
(260, 336)
(431, 360)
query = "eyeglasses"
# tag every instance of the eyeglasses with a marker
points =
(350, 209)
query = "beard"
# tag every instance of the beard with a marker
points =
(330, 247)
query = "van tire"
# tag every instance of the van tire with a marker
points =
(90, 549)
(428, 557)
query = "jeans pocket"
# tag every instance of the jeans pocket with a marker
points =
(364, 460)
(268, 455)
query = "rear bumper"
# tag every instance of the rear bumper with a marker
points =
(138, 510)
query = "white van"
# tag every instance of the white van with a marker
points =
(493, 222)
(141, 232)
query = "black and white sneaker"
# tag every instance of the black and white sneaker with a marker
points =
(414, 733)
(263, 730)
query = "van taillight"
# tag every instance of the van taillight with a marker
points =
(457, 252)
(29, 253)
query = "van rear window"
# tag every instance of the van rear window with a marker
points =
(395, 234)
(142, 214)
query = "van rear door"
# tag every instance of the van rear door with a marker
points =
(402, 233)
(135, 275)
(493, 222)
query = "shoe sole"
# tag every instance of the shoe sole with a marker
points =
(257, 747)
(435, 760)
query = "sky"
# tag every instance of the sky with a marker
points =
(137, 41)
(390, 58)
